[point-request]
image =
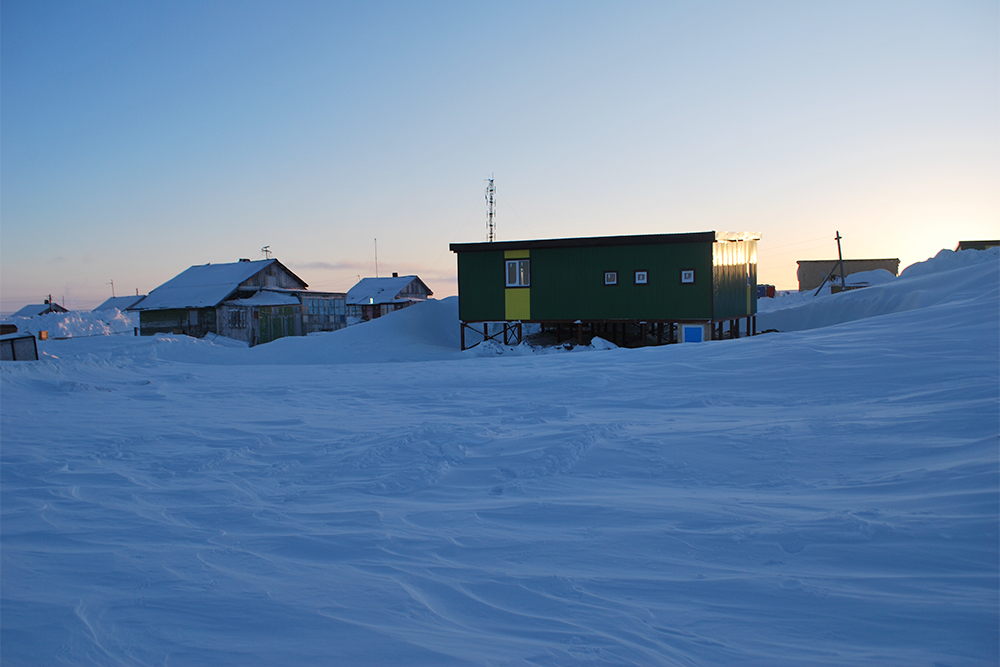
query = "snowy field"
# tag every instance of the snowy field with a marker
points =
(828, 495)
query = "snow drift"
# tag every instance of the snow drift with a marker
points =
(949, 276)
(821, 497)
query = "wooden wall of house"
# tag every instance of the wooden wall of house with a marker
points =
(259, 324)
(274, 322)
(323, 313)
(194, 322)
(236, 322)
(273, 276)
(414, 290)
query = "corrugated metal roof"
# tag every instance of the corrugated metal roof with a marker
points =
(202, 286)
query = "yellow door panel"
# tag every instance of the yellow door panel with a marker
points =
(518, 303)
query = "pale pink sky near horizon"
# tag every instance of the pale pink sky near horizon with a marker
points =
(142, 138)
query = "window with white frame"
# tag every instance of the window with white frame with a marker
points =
(610, 277)
(518, 273)
(237, 319)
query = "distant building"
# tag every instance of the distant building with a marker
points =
(37, 309)
(812, 273)
(120, 302)
(976, 245)
(256, 302)
(374, 297)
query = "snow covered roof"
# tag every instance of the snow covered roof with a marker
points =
(35, 309)
(267, 298)
(383, 290)
(120, 302)
(205, 286)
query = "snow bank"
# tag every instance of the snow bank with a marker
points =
(75, 323)
(873, 277)
(425, 331)
(946, 277)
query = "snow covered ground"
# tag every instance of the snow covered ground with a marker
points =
(826, 496)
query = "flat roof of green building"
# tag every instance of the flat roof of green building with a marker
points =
(587, 242)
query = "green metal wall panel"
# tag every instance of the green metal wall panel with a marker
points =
(568, 283)
(481, 286)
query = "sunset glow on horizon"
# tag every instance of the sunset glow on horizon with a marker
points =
(143, 138)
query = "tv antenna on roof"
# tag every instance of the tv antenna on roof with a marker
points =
(491, 210)
(267, 251)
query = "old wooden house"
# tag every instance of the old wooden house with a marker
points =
(631, 289)
(253, 301)
(374, 297)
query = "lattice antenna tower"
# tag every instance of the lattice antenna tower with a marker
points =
(491, 210)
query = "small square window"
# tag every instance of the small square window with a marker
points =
(687, 276)
(518, 273)
(610, 277)
(641, 277)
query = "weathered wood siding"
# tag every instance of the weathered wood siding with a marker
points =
(321, 313)
(273, 276)
(178, 321)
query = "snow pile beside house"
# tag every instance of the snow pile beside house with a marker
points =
(78, 323)
(425, 331)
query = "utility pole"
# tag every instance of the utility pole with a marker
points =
(491, 210)
(840, 263)
(840, 260)
(112, 289)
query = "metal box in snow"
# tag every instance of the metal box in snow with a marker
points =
(18, 347)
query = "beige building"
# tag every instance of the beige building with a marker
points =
(812, 272)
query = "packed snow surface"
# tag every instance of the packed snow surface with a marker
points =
(824, 496)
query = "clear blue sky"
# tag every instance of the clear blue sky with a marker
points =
(139, 138)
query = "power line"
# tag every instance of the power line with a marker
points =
(796, 251)
(530, 230)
